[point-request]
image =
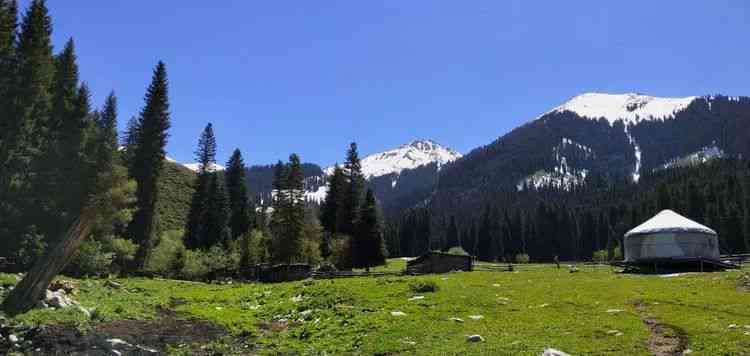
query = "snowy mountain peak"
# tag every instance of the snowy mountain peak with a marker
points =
(408, 156)
(411, 155)
(630, 107)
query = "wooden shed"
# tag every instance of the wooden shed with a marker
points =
(439, 262)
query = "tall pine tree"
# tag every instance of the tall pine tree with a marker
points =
(240, 208)
(25, 117)
(331, 210)
(289, 213)
(148, 163)
(368, 247)
(217, 229)
(353, 194)
(196, 235)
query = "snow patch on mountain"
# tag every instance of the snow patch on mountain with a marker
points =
(630, 107)
(409, 156)
(318, 195)
(638, 154)
(563, 176)
(558, 179)
(195, 167)
(703, 155)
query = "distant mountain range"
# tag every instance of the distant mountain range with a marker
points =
(591, 136)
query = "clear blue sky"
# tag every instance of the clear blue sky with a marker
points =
(277, 77)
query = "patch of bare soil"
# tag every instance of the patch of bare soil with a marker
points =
(132, 337)
(665, 339)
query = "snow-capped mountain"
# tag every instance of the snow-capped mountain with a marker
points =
(414, 154)
(598, 137)
(630, 107)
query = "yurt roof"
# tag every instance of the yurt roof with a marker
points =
(669, 221)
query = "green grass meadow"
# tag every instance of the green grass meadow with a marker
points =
(522, 312)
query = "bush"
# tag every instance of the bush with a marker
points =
(457, 250)
(599, 256)
(218, 260)
(341, 252)
(603, 255)
(32, 248)
(426, 286)
(91, 260)
(253, 248)
(124, 252)
(165, 255)
(522, 258)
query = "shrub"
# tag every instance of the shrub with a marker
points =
(425, 286)
(603, 255)
(194, 268)
(341, 252)
(253, 248)
(310, 252)
(32, 248)
(617, 254)
(163, 256)
(522, 258)
(200, 264)
(91, 260)
(123, 251)
(599, 256)
(457, 250)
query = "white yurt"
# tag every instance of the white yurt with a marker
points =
(670, 235)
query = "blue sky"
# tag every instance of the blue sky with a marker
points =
(277, 77)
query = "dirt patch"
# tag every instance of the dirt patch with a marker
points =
(134, 337)
(664, 339)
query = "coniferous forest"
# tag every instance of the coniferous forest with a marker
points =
(60, 154)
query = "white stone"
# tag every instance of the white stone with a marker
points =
(398, 313)
(458, 320)
(476, 317)
(416, 297)
(13, 338)
(614, 311)
(554, 352)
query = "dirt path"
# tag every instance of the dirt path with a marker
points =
(665, 339)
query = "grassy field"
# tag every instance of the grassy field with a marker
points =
(592, 312)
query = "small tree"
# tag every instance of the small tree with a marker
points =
(368, 247)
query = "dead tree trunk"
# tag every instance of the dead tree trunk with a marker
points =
(33, 286)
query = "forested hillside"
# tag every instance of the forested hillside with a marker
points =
(573, 224)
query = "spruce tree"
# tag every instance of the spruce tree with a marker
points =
(25, 124)
(107, 137)
(331, 210)
(148, 162)
(217, 229)
(196, 235)
(368, 246)
(130, 142)
(237, 189)
(289, 214)
(276, 223)
(8, 24)
(354, 190)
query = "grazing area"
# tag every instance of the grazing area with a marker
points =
(595, 311)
